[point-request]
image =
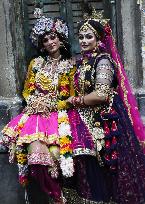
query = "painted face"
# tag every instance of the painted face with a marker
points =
(51, 43)
(87, 40)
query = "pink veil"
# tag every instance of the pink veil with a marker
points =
(124, 88)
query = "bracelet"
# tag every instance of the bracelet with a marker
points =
(82, 100)
(77, 100)
(73, 101)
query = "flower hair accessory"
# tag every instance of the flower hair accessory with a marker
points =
(47, 24)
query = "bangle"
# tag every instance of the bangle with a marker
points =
(73, 100)
(78, 100)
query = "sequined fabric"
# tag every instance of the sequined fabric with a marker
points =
(73, 198)
(131, 161)
(40, 158)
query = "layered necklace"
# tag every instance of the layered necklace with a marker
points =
(47, 76)
(85, 68)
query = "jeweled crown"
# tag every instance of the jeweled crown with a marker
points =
(96, 16)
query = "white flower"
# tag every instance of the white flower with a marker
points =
(64, 129)
(62, 113)
(102, 142)
(99, 133)
(67, 166)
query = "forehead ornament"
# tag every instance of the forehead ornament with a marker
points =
(97, 17)
(87, 26)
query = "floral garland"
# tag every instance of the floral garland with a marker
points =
(65, 137)
(21, 155)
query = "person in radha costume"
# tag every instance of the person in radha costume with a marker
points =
(109, 163)
(32, 137)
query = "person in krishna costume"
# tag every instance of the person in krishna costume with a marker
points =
(35, 137)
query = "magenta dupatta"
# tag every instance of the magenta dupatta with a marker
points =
(124, 88)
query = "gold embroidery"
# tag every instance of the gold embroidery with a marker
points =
(104, 76)
(50, 139)
(9, 131)
(74, 198)
(44, 82)
(102, 90)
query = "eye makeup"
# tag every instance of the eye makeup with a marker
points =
(88, 36)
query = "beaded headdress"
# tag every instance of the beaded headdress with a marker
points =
(47, 24)
(95, 16)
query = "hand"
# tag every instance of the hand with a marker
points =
(76, 100)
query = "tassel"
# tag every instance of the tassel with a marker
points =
(114, 140)
(106, 129)
(107, 157)
(114, 126)
(107, 144)
(114, 155)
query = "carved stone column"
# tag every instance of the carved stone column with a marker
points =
(11, 78)
(12, 66)
(129, 40)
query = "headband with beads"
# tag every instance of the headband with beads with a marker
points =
(95, 16)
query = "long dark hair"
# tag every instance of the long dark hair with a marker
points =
(65, 50)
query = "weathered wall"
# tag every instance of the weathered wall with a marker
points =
(143, 38)
(7, 76)
(11, 55)
(130, 46)
(129, 39)
(11, 74)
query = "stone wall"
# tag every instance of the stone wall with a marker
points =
(11, 59)
(11, 76)
(143, 38)
(129, 40)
